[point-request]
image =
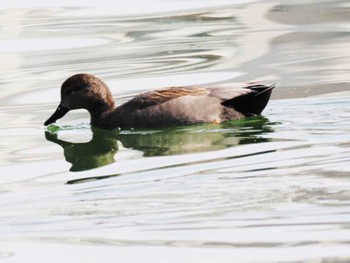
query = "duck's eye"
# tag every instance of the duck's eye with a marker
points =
(69, 91)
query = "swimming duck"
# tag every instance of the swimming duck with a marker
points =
(163, 107)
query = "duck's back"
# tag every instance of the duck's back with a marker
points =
(188, 105)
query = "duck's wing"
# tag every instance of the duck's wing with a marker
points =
(157, 97)
(248, 99)
(245, 98)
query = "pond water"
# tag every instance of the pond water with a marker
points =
(266, 189)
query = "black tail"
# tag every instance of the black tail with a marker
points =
(252, 103)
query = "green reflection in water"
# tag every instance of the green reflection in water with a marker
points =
(98, 152)
(103, 146)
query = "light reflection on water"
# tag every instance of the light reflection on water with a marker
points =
(273, 188)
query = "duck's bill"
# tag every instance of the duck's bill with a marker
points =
(58, 114)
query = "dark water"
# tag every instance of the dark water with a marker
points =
(266, 189)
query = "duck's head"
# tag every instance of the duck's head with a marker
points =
(83, 91)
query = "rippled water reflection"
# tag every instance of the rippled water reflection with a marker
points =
(102, 147)
(267, 189)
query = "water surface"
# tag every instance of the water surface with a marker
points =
(266, 189)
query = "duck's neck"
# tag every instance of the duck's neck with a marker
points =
(103, 117)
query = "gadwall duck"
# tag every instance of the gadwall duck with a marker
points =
(164, 107)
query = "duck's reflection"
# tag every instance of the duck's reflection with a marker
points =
(103, 146)
(98, 152)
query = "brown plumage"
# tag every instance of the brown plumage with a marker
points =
(160, 108)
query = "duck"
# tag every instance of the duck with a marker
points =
(172, 106)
